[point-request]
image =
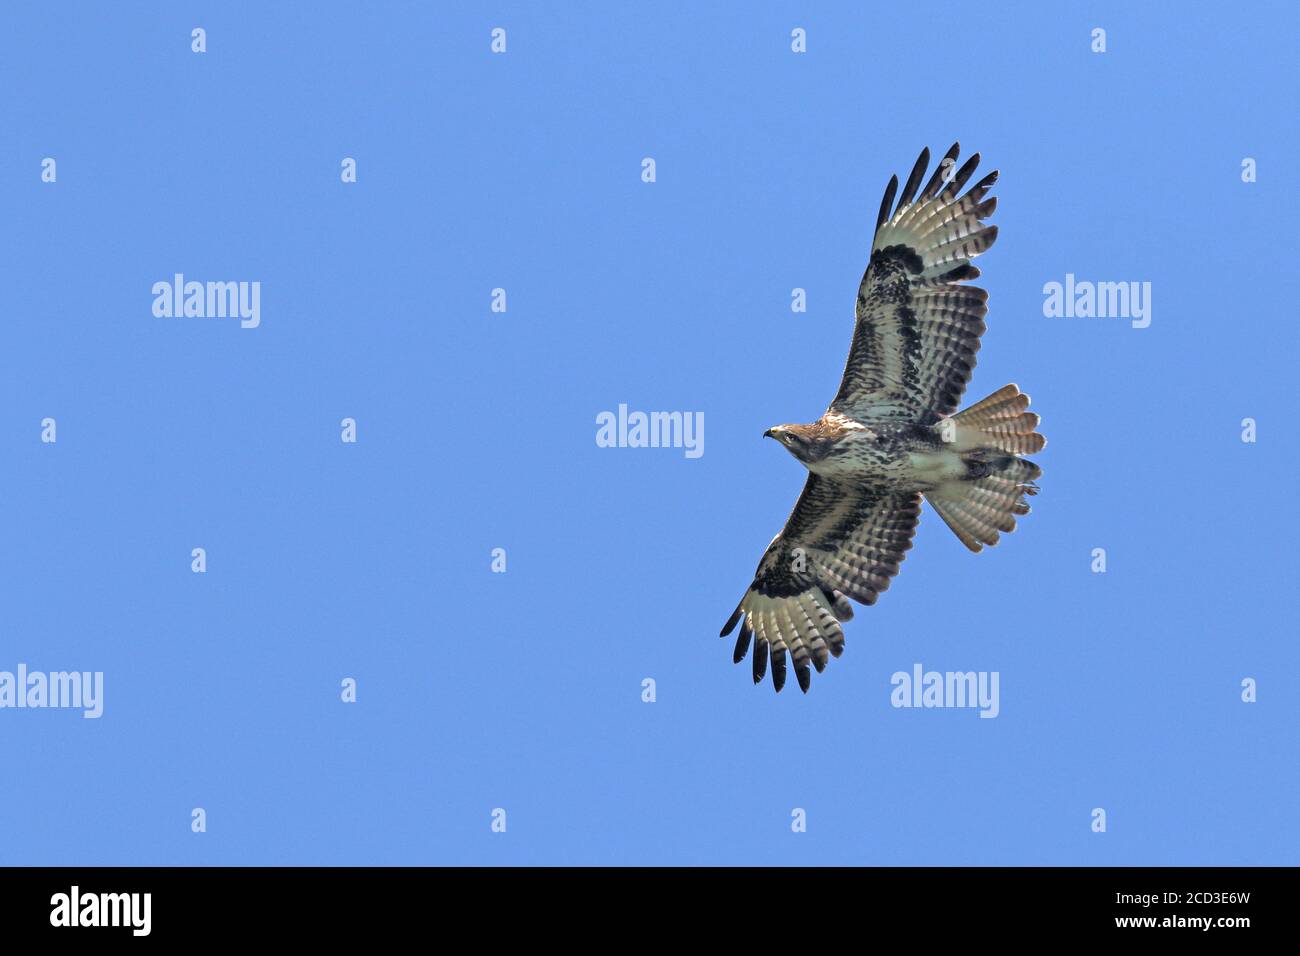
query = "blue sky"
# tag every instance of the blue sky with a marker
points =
(476, 430)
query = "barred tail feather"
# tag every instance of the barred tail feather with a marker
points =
(990, 436)
(1001, 421)
(978, 512)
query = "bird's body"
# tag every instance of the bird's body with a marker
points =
(895, 454)
(893, 434)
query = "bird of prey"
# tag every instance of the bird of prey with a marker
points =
(890, 436)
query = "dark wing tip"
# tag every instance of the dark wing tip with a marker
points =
(742, 643)
(760, 660)
(959, 180)
(778, 669)
(937, 180)
(804, 675)
(914, 180)
(731, 621)
(887, 203)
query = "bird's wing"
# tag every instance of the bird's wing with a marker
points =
(918, 327)
(841, 541)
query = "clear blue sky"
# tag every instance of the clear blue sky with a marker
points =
(476, 430)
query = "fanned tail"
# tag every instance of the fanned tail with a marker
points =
(990, 436)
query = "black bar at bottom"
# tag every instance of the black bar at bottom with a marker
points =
(375, 904)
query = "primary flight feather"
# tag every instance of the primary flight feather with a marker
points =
(890, 436)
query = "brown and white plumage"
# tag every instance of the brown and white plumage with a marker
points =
(889, 435)
(838, 543)
(918, 328)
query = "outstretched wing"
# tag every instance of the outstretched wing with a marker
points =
(918, 328)
(841, 541)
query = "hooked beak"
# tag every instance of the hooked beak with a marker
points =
(770, 433)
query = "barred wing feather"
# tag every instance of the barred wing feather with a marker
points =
(840, 542)
(918, 326)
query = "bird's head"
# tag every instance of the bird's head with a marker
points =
(797, 439)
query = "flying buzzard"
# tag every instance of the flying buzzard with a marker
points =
(890, 435)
